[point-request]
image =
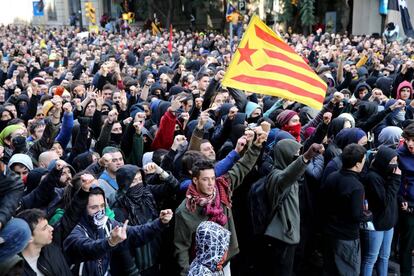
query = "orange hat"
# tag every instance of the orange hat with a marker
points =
(59, 90)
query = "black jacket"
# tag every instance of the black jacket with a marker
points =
(52, 261)
(11, 191)
(381, 190)
(44, 194)
(342, 201)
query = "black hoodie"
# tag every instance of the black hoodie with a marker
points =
(381, 187)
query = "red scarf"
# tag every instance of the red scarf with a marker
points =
(212, 203)
(294, 130)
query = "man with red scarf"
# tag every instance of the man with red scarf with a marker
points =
(289, 121)
(209, 199)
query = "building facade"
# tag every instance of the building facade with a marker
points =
(354, 16)
(367, 19)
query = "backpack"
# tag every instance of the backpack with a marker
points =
(260, 208)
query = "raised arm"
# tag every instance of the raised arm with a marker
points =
(247, 162)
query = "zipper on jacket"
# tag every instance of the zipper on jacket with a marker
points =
(42, 267)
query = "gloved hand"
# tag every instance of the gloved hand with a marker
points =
(313, 151)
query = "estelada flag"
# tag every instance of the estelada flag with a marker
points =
(265, 64)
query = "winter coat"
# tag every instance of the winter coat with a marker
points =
(87, 246)
(144, 211)
(187, 221)
(52, 260)
(381, 187)
(341, 204)
(47, 192)
(11, 191)
(165, 134)
(368, 116)
(285, 224)
(406, 164)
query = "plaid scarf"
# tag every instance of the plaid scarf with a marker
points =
(212, 204)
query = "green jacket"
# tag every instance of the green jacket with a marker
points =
(137, 152)
(186, 222)
(285, 224)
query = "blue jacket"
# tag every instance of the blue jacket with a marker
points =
(406, 165)
(65, 132)
(88, 247)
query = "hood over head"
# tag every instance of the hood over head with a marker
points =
(125, 175)
(275, 135)
(349, 136)
(390, 136)
(82, 161)
(307, 114)
(237, 131)
(359, 87)
(366, 110)
(20, 158)
(160, 111)
(284, 153)
(403, 85)
(336, 126)
(348, 117)
(383, 158)
(224, 109)
(212, 242)
(240, 118)
(385, 84)
(250, 107)
(135, 109)
(156, 86)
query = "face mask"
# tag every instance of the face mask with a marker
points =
(116, 137)
(178, 132)
(253, 119)
(294, 130)
(392, 167)
(100, 219)
(23, 108)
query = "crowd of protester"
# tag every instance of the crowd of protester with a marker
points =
(119, 158)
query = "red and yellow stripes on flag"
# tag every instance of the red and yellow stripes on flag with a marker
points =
(265, 64)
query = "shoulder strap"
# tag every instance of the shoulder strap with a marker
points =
(281, 198)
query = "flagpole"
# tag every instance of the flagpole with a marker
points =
(231, 35)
